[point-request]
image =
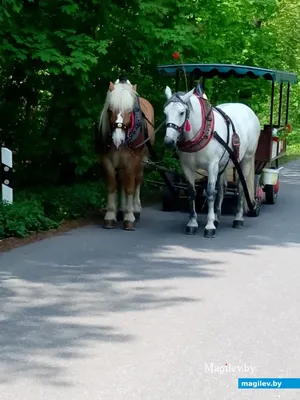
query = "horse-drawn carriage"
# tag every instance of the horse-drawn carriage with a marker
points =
(223, 151)
(272, 142)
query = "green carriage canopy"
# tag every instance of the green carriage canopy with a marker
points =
(226, 70)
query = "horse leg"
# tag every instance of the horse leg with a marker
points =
(192, 226)
(221, 189)
(136, 199)
(110, 216)
(247, 167)
(129, 185)
(120, 214)
(210, 228)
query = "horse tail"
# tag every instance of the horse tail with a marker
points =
(250, 182)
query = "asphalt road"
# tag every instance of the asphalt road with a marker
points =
(116, 315)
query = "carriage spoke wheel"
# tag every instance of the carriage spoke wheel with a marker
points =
(271, 196)
(169, 201)
(271, 192)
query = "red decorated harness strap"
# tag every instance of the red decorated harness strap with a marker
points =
(205, 133)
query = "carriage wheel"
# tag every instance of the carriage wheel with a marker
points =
(271, 191)
(271, 194)
(169, 201)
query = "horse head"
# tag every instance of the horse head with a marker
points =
(119, 104)
(177, 114)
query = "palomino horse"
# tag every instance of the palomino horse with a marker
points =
(200, 131)
(126, 124)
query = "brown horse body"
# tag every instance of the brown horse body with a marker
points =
(125, 132)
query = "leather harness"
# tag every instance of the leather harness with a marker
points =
(135, 134)
(206, 131)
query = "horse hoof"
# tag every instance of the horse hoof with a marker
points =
(129, 226)
(216, 223)
(109, 224)
(137, 216)
(209, 233)
(237, 224)
(191, 230)
(120, 216)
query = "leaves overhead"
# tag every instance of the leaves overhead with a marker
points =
(57, 58)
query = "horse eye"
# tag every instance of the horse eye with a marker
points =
(182, 113)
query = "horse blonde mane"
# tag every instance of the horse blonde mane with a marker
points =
(120, 99)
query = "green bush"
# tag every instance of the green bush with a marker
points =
(43, 209)
(68, 202)
(22, 218)
(293, 146)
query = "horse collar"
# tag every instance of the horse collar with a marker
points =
(205, 133)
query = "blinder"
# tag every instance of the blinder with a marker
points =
(177, 99)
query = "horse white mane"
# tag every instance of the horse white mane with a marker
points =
(120, 99)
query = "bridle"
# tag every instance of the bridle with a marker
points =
(205, 132)
(129, 130)
(177, 99)
(135, 133)
(120, 125)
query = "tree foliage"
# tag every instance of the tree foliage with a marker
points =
(57, 58)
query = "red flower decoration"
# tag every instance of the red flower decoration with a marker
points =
(288, 128)
(176, 55)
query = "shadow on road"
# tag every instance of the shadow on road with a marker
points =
(55, 299)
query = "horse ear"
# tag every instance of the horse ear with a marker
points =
(168, 92)
(185, 98)
(134, 87)
(111, 86)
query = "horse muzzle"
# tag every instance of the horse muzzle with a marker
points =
(169, 143)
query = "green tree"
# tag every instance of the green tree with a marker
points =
(57, 58)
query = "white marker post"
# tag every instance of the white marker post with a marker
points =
(6, 175)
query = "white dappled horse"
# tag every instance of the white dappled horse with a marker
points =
(194, 126)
